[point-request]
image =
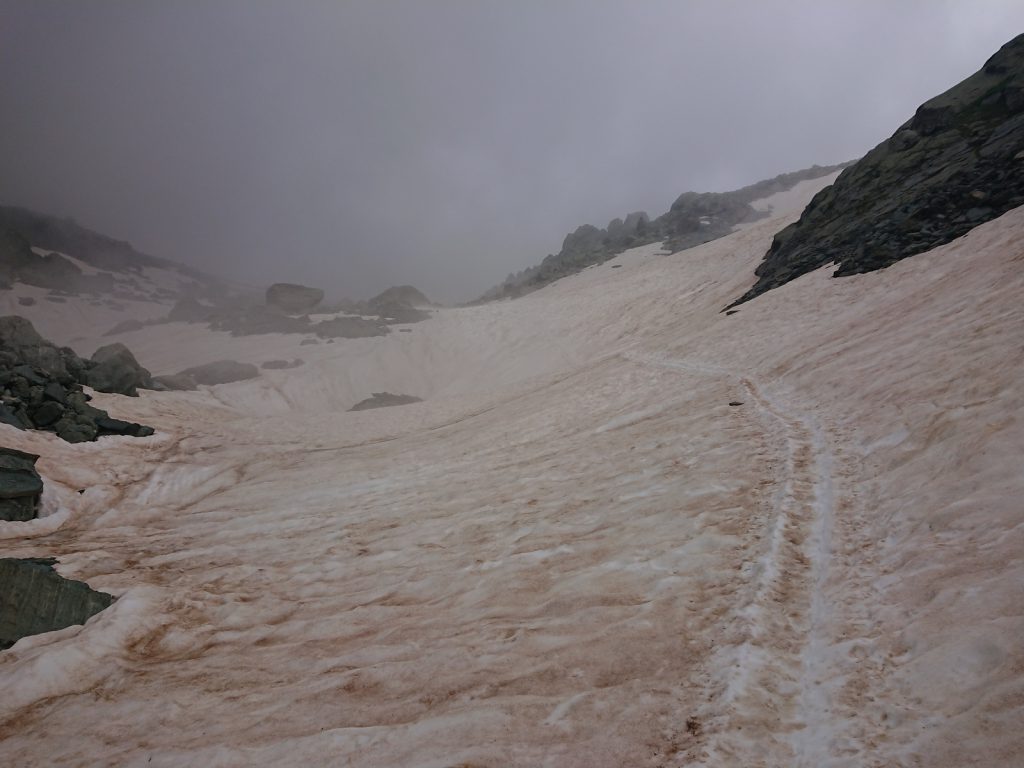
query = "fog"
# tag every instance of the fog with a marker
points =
(358, 145)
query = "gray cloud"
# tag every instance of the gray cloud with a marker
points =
(361, 144)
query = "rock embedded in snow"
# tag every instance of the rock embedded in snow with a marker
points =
(292, 297)
(35, 599)
(221, 372)
(20, 485)
(384, 400)
(349, 328)
(257, 320)
(115, 370)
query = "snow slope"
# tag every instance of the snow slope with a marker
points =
(575, 551)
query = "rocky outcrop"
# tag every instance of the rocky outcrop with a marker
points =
(221, 372)
(384, 400)
(41, 387)
(115, 370)
(36, 599)
(694, 218)
(20, 485)
(958, 162)
(293, 298)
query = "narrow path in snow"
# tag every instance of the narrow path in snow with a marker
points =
(771, 703)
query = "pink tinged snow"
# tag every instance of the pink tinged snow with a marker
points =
(574, 552)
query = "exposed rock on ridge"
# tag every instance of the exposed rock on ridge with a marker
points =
(957, 163)
(694, 218)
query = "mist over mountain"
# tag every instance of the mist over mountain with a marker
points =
(355, 146)
(736, 484)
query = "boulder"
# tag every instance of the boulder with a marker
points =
(41, 384)
(20, 485)
(293, 298)
(116, 370)
(221, 372)
(108, 426)
(16, 331)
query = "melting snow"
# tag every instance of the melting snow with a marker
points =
(574, 552)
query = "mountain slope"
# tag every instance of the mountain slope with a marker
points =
(958, 162)
(574, 551)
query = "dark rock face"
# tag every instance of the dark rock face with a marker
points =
(290, 297)
(955, 164)
(20, 485)
(34, 598)
(41, 385)
(221, 372)
(384, 400)
(116, 370)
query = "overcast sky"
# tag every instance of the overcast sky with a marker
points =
(443, 143)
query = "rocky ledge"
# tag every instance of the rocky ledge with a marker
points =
(957, 163)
